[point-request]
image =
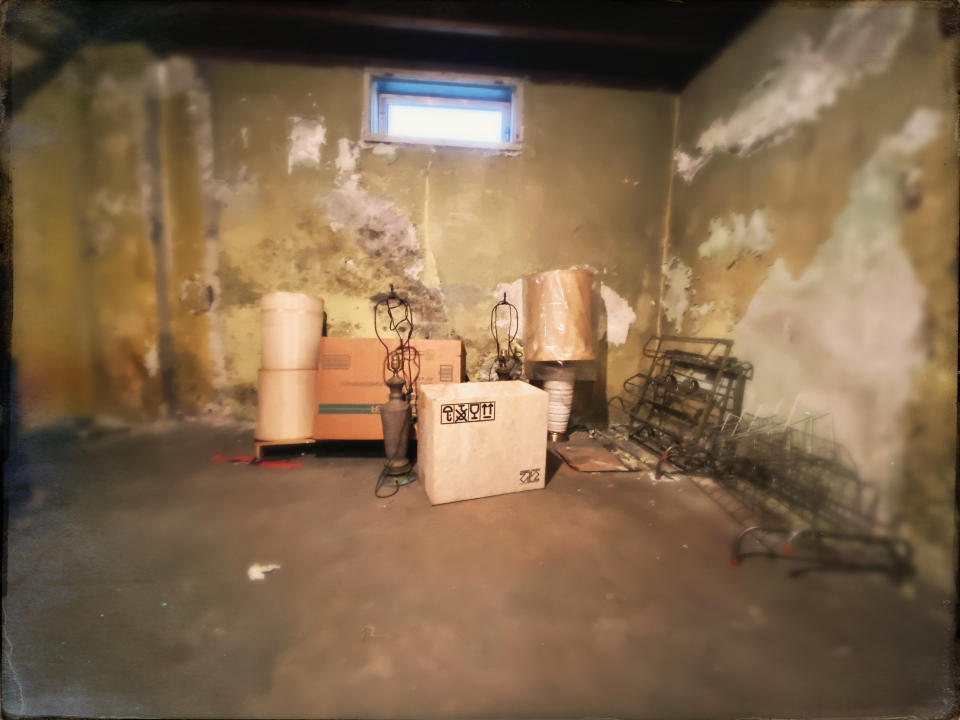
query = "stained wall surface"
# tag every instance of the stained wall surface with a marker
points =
(812, 213)
(192, 190)
(85, 313)
(814, 221)
(306, 206)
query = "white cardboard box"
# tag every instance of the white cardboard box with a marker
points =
(480, 439)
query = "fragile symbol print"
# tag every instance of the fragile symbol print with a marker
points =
(455, 413)
(530, 476)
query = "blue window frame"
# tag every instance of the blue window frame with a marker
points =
(435, 109)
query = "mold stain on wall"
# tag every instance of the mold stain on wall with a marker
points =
(804, 80)
(256, 198)
(844, 336)
(823, 242)
(446, 226)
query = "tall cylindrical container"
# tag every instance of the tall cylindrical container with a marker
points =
(291, 324)
(285, 404)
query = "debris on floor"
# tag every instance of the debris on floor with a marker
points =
(370, 631)
(259, 572)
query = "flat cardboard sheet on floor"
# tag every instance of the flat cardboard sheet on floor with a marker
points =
(589, 456)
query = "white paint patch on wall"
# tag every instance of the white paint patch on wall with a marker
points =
(688, 164)
(306, 140)
(737, 236)
(514, 293)
(620, 316)
(676, 299)
(382, 230)
(151, 360)
(348, 153)
(844, 337)
(702, 309)
(805, 80)
(389, 151)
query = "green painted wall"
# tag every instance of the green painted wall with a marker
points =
(588, 188)
(179, 177)
(84, 280)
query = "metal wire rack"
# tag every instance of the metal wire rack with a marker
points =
(678, 405)
(795, 489)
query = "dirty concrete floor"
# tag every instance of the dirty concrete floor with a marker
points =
(602, 595)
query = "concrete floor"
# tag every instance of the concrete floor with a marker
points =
(602, 595)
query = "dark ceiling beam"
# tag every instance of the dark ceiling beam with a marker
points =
(650, 77)
(656, 45)
(538, 60)
(415, 23)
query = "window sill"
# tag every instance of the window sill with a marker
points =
(507, 148)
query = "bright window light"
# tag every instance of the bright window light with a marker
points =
(442, 109)
(444, 123)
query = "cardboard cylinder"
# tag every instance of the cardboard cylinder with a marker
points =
(285, 404)
(557, 312)
(292, 324)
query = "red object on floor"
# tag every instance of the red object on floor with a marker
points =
(279, 463)
(250, 460)
(734, 561)
(232, 458)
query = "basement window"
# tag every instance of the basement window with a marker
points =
(442, 109)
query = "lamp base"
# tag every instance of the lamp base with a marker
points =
(553, 436)
(398, 479)
(401, 467)
(560, 391)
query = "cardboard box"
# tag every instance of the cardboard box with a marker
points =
(350, 388)
(480, 439)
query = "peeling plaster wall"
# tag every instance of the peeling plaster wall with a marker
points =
(805, 78)
(115, 283)
(451, 228)
(821, 236)
(53, 374)
(157, 200)
(85, 333)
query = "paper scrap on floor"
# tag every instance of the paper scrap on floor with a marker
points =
(259, 572)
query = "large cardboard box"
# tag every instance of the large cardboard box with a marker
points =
(350, 388)
(480, 439)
